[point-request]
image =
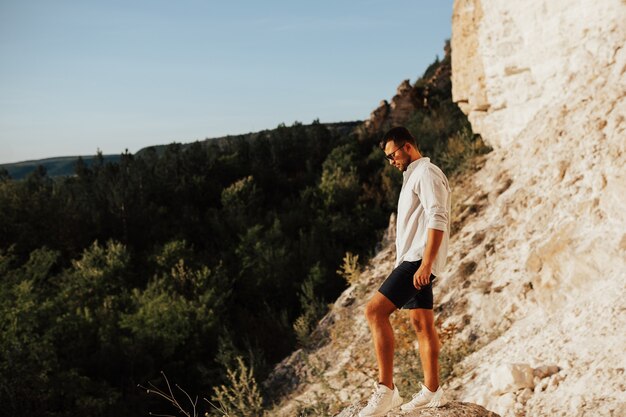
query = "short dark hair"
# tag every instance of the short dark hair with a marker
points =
(400, 135)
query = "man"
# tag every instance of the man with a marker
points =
(422, 231)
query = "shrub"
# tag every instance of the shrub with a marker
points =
(350, 269)
(241, 398)
(461, 148)
(313, 307)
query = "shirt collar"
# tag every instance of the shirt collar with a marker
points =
(414, 165)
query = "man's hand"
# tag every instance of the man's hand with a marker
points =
(422, 276)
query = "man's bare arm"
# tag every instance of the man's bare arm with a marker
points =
(422, 276)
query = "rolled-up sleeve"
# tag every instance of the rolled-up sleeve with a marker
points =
(433, 192)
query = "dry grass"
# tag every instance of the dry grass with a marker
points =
(241, 397)
(350, 270)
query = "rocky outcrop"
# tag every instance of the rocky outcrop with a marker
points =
(511, 60)
(512, 377)
(378, 117)
(544, 82)
(402, 105)
(452, 409)
(409, 97)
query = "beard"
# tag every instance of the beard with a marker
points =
(403, 164)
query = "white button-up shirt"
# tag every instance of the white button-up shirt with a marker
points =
(424, 203)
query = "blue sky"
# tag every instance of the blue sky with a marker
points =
(78, 76)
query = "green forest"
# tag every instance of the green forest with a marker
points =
(185, 258)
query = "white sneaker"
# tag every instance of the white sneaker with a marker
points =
(382, 401)
(425, 398)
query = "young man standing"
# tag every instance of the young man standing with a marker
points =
(422, 232)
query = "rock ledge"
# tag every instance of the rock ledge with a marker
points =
(452, 409)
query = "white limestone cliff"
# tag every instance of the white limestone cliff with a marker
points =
(544, 82)
(512, 59)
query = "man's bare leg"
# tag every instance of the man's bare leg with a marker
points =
(377, 312)
(423, 321)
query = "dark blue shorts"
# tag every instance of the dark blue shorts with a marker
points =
(399, 288)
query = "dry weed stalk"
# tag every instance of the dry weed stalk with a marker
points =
(171, 398)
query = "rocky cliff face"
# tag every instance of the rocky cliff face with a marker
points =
(409, 97)
(512, 60)
(535, 287)
(544, 82)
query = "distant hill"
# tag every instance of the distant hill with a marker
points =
(342, 128)
(55, 167)
(64, 165)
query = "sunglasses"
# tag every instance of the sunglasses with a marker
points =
(391, 156)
